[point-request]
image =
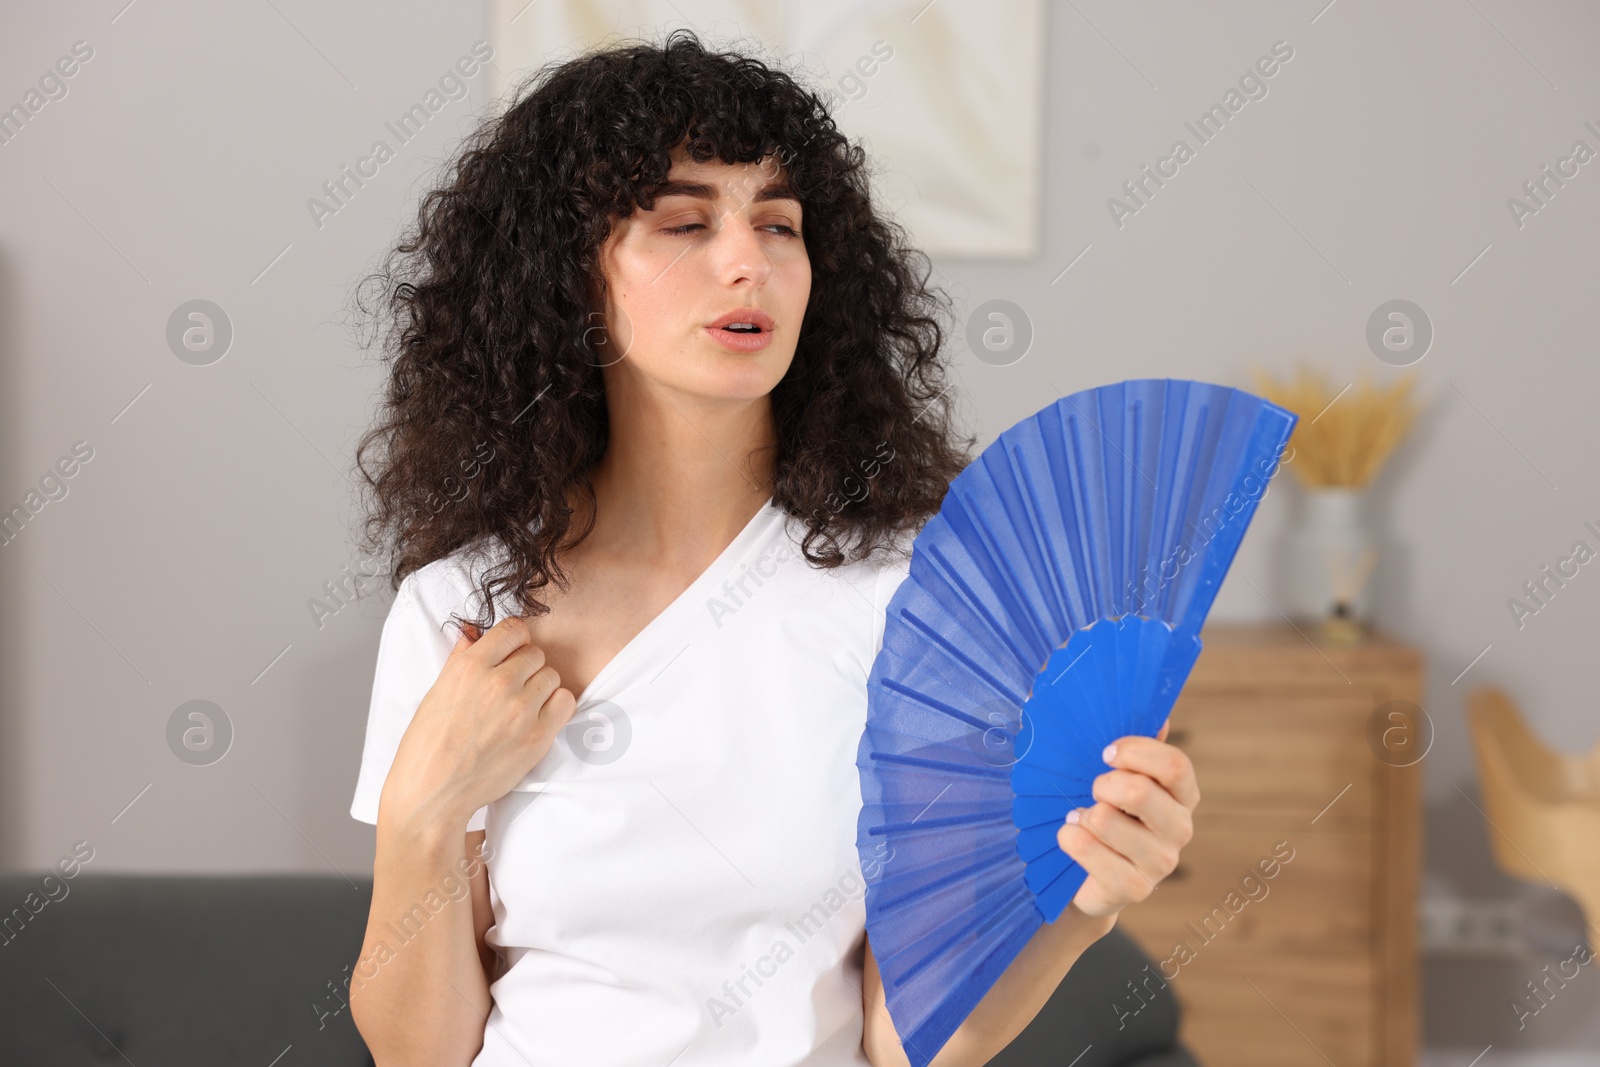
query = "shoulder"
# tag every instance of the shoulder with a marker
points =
(889, 573)
(417, 638)
(449, 586)
(891, 556)
(872, 580)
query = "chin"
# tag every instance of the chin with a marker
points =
(738, 387)
(740, 376)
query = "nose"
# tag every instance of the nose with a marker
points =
(738, 251)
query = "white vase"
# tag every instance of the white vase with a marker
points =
(1331, 556)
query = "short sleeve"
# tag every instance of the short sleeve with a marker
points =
(888, 581)
(411, 652)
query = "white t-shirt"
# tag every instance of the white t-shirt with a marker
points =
(676, 881)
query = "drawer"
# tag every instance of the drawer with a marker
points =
(1282, 657)
(1284, 755)
(1305, 1012)
(1218, 903)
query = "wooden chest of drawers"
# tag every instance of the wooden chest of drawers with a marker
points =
(1288, 930)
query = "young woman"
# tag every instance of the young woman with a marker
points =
(667, 397)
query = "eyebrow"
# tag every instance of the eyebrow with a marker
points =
(778, 189)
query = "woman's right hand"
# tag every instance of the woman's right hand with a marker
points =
(491, 715)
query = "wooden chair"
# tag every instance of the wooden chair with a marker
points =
(1544, 804)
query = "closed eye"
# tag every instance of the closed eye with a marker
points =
(789, 231)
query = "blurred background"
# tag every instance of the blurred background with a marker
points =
(1385, 193)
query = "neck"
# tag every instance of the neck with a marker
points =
(679, 481)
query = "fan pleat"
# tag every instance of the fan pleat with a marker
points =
(1052, 571)
(954, 652)
(1000, 579)
(973, 600)
(937, 765)
(938, 705)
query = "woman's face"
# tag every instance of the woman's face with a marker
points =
(721, 239)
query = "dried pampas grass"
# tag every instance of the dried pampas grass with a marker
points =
(1344, 436)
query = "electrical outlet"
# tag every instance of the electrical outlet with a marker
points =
(1471, 927)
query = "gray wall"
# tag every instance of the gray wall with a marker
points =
(179, 562)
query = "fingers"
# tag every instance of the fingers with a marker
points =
(525, 665)
(1153, 853)
(539, 685)
(1129, 840)
(501, 639)
(520, 665)
(1144, 799)
(559, 708)
(1166, 764)
(1093, 840)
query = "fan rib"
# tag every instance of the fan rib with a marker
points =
(1188, 455)
(1166, 514)
(1003, 910)
(941, 707)
(915, 825)
(1006, 587)
(986, 860)
(940, 765)
(1077, 605)
(1095, 566)
(1053, 569)
(1133, 495)
(975, 603)
(961, 657)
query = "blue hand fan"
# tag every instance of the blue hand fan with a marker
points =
(1053, 605)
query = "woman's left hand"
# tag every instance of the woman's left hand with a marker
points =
(1130, 839)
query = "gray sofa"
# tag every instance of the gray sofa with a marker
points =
(183, 971)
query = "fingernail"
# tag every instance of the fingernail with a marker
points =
(1110, 752)
(1072, 816)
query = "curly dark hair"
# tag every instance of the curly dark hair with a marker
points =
(495, 403)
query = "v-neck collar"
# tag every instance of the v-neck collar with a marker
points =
(663, 622)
